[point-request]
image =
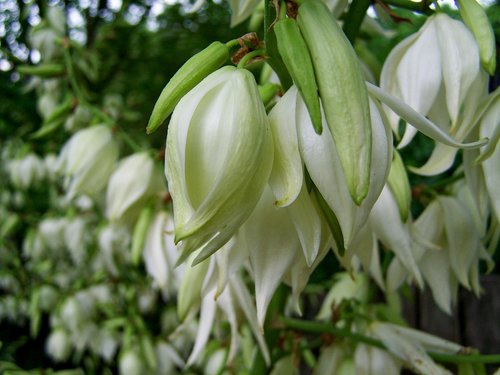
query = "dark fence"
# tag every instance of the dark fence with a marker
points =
(475, 321)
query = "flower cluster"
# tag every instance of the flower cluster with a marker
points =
(285, 196)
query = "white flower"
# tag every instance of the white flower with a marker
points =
(87, 160)
(410, 345)
(218, 159)
(26, 172)
(345, 287)
(58, 345)
(371, 360)
(299, 146)
(437, 72)
(131, 363)
(133, 182)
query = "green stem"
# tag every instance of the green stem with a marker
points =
(125, 137)
(421, 6)
(274, 59)
(71, 73)
(249, 56)
(232, 43)
(318, 327)
(354, 18)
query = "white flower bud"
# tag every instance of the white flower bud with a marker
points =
(218, 159)
(26, 172)
(131, 363)
(58, 345)
(134, 181)
(87, 160)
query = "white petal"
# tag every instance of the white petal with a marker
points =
(460, 56)
(389, 228)
(287, 175)
(272, 245)
(462, 238)
(207, 315)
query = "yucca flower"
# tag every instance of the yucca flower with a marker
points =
(87, 160)
(218, 159)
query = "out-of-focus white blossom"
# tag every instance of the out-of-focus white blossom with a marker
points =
(437, 72)
(134, 181)
(87, 160)
(131, 363)
(27, 172)
(58, 345)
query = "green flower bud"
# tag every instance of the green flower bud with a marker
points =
(188, 76)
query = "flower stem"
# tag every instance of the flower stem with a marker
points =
(319, 327)
(354, 18)
(249, 56)
(421, 6)
(274, 59)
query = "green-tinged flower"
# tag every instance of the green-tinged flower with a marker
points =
(27, 171)
(410, 346)
(446, 246)
(345, 287)
(218, 159)
(274, 238)
(58, 345)
(371, 360)
(297, 146)
(131, 362)
(87, 160)
(437, 73)
(134, 181)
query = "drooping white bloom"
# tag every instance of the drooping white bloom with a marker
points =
(299, 146)
(131, 362)
(371, 360)
(345, 287)
(410, 345)
(218, 158)
(27, 171)
(113, 240)
(447, 249)
(437, 72)
(87, 160)
(133, 182)
(273, 242)
(51, 232)
(58, 345)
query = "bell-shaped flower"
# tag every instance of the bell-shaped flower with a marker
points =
(371, 360)
(87, 160)
(58, 345)
(299, 146)
(448, 255)
(437, 72)
(132, 362)
(134, 181)
(27, 171)
(218, 159)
